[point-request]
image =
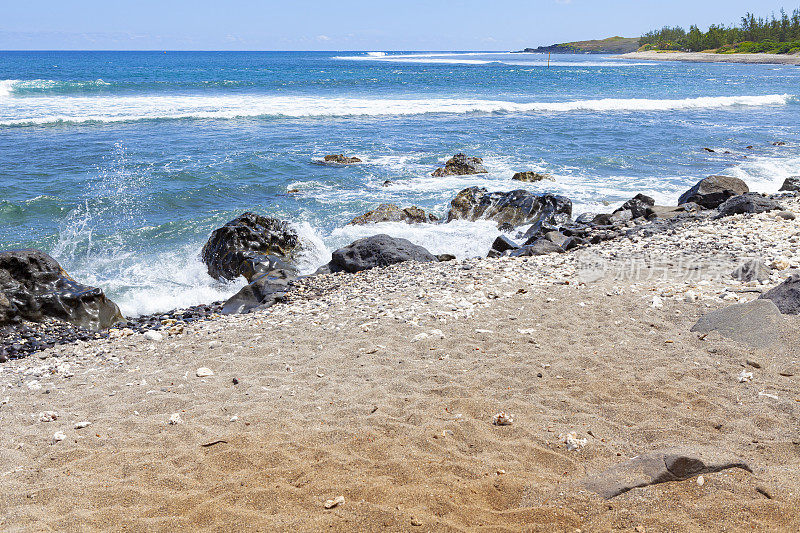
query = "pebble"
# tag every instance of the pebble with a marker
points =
(330, 504)
(701, 481)
(572, 441)
(59, 436)
(204, 372)
(48, 416)
(153, 336)
(745, 376)
(175, 419)
(83, 424)
(502, 419)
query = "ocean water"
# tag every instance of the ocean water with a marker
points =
(120, 164)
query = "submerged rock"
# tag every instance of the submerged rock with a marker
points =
(712, 191)
(34, 287)
(239, 246)
(515, 207)
(340, 159)
(461, 165)
(392, 213)
(747, 203)
(530, 176)
(376, 251)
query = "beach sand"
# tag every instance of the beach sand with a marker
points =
(701, 57)
(382, 386)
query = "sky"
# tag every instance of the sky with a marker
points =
(347, 24)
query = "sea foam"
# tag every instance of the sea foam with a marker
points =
(79, 109)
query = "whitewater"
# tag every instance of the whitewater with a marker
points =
(121, 164)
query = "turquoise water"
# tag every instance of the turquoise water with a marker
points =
(120, 164)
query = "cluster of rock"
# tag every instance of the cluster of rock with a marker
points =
(340, 159)
(262, 250)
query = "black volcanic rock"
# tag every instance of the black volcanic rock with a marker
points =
(239, 246)
(461, 165)
(712, 191)
(34, 287)
(515, 207)
(376, 251)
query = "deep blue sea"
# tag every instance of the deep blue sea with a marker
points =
(120, 164)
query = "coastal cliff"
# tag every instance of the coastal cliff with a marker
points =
(612, 45)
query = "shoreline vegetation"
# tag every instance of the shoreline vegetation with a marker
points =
(779, 35)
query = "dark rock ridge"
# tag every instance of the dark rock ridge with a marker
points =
(791, 183)
(392, 213)
(712, 191)
(786, 295)
(514, 208)
(461, 165)
(530, 176)
(33, 286)
(239, 246)
(654, 468)
(747, 203)
(340, 159)
(376, 251)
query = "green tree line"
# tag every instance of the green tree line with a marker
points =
(777, 34)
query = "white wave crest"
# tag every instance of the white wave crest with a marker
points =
(7, 87)
(77, 109)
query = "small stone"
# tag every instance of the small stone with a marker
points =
(415, 522)
(84, 424)
(745, 376)
(48, 416)
(330, 504)
(59, 436)
(657, 302)
(786, 215)
(502, 419)
(701, 481)
(234, 418)
(204, 372)
(175, 419)
(572, 441)
(153, 336)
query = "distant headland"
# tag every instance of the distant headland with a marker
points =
(612, 45)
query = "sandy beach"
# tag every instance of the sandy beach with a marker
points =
(381, 387)
(701, 57)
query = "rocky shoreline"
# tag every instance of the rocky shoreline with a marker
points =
(42, 310)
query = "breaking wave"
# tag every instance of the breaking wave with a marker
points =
(102, 109)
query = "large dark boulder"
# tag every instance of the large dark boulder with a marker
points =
(268, 287)
(639, 206)
(461, 165)
(515, 207)
(501, 245)
(757, 323)
(786, 295)
(239, 246)
(710, 192)
(33, 286)
(748, 203)
(791, 183)
(376, 251)
(392, 213)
